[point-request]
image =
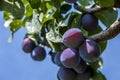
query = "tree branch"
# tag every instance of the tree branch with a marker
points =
(109, 33)
(91, 10)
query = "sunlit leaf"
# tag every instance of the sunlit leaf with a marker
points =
(105, 3)
(34, 26)
(108, 16)
(97, 64)
(15, 7)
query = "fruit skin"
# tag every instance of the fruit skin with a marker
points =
(70, 58)
(89, 50)
(81, 67)
(71, 1)
(38, 54)
(66, 74)
(72, 38)
(57, 59)
(89, 22)
(28, 45)
(86, 75)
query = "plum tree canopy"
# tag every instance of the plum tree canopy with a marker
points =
(45, 22)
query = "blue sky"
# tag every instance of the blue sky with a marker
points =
(17, 65)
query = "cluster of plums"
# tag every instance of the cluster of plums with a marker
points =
(74, 60)
(38, 53)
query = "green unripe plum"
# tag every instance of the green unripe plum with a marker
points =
(89, 50)
(73, 38)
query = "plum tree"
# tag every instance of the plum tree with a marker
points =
(68, 27)
(72, 38)
(89, 50)
(89, 22)
(66, 74)
(38, 54)
(70, 58)
(28, 45)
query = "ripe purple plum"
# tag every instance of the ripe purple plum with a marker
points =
(38, 54)
(28, 45)
(66, 74)
(70, 57)
(73, 38)
(81, 67)
(89, 22)
(89, 50)
(86, 75)
(57, 59)
(71, 1)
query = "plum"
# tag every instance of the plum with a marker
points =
(71, 1)
(89, 22)
(81, 67)
(66, 74)
(28, 45)
(57, 59)
(86, 75)
(73, 38)
(70, 58)
(38, 54)
(89, 50)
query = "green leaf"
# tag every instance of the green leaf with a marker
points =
(35, 4)
(86, 3)
(56, 3)
(49, 15)
(105, 3)
(98, 30)
(29, 11)
(55, 46)
(7, 15)
(103, 45)
(54, 36)
(15, 7)
(34, 27)
(108, 16)
(98, 76)
(97, 64)
(15, 25)
(28, 8)
(65, 8)
(65, 21)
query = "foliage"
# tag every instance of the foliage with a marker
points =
(47, 20)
